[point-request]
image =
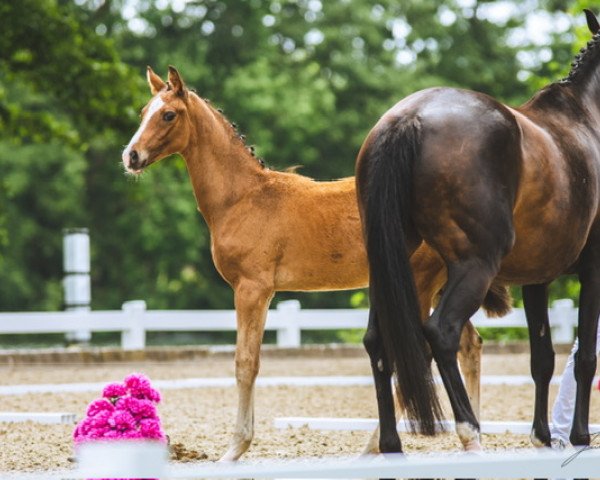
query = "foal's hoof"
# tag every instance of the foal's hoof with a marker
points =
(226, 459)
(236, 450)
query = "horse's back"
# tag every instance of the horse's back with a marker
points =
(490, 179)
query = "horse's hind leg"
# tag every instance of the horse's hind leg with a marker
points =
(535, 299)
(389, 441)
(430, 276)
(468, 282)
(251, 304)
(585, 357)
(469, 357)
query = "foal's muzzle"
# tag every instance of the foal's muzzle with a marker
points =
(134, 160)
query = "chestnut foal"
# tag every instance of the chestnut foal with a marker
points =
(270, 231)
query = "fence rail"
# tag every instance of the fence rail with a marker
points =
(288, 320)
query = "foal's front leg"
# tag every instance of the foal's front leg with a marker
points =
(251, 305)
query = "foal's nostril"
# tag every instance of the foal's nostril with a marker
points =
(134, 158)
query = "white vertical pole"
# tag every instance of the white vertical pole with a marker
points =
(76, 282)
(289, 336)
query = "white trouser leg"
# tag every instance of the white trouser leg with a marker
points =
(564, 405)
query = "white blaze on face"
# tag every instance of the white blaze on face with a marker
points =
(154, 107)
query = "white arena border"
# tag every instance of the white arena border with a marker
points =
(547, 464)
(38, 417)
(358, 424)
(144, 460)
(222, 382)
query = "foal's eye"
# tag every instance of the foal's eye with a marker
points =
(168, 116)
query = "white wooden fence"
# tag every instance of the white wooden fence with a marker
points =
(288, 319)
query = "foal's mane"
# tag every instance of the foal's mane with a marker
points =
(218, 112)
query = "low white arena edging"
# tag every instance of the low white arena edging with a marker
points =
(38, 417)
(220, 382)
(327, 423)
(149, 460)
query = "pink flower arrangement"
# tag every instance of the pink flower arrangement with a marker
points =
(126, 411)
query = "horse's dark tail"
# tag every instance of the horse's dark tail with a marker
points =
(497, 301)
(389, 162)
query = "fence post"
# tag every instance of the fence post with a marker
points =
(134, 336)
(76, 281)
(565, 318)
(289, 335)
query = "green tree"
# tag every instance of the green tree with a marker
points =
(304, 79)
(57, 96)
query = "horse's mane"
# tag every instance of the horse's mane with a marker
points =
(234, 128)
(555, 96)
(584, 61)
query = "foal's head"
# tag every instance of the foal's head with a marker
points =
(166, 124)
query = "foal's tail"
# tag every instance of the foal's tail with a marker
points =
(388, 163)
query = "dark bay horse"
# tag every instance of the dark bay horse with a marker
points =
(508, 195)
(272, 231)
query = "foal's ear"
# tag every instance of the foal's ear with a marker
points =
(155, 82)
(592, 21)
(176, 82)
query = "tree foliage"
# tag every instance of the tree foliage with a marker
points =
(304, 79)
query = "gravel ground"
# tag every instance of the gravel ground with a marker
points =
(200, 421)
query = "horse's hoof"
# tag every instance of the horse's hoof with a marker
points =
(580, 440)
(390, 446)
(538, 440)
(473, 447)
(469, 436)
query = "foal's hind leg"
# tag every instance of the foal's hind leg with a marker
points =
(469, 358)
(585, 357)
(535, 299)
(389, 441)
(468, 282)
(251, 304)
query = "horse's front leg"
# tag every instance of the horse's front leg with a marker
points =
(251, 304)
(535, 300)
(585, 357)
